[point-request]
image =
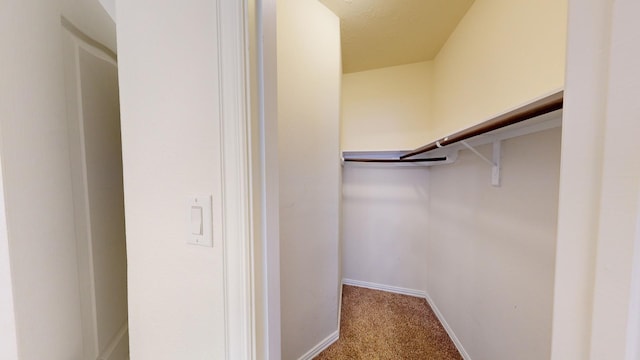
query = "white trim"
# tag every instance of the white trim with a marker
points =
(118, 345)
(82, 215)
(86, 42)
(340, 307)
(633, 319)
(448, 329)
(237, 196)
(265, 142)
(8, 340)
(75, 42)
(323, 345)
(416, 293)
(329, 340)
(387, 288)
(110, 7)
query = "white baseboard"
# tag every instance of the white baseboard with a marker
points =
(416, 293)
(387, 288)
(340, 309)
(448, 329)
(118, 349)
(321, 346)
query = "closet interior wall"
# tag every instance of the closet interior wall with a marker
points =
(499, 57)
(388, 108)
(491, 250)
(482, 255)
(309, 76)
(385, 210)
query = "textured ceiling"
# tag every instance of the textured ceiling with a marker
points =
(381, 33)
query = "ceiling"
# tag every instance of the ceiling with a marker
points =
(381, 33)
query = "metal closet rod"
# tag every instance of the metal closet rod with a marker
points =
(539, 107)
(442, 158)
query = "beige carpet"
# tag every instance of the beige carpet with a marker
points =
(382, 325)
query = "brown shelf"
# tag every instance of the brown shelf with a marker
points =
(536, 108)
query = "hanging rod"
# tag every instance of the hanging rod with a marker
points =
(443, 158)
(536, 108)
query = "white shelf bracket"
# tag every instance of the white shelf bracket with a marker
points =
(495, 169)
(495, 163)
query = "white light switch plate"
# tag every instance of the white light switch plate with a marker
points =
(199, 231)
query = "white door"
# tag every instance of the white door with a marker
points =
(96, 157)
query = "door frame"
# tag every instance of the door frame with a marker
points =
(247, 68)
(74, 40)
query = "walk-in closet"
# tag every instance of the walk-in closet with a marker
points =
(320, 179)
(420, 155)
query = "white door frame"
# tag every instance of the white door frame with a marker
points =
(266, 49)
(237, 200)
(8, 340)
(633, 325)
(247, 61)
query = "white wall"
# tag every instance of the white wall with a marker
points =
(490, 252)
(502, 54)
(37, 182)
(385, 221)
(385, 207)
(169, 97)
(36, 176)
(580, 176)
(388, 108)
(599, 186)
(620, 188)
(308, 138)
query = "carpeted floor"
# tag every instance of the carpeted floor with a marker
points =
(381, 325)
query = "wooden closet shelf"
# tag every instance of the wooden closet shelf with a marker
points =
(531, 110)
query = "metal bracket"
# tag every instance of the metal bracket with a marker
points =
(495, 163)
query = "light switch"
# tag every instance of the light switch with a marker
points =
(199, 221)
(196, 220)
